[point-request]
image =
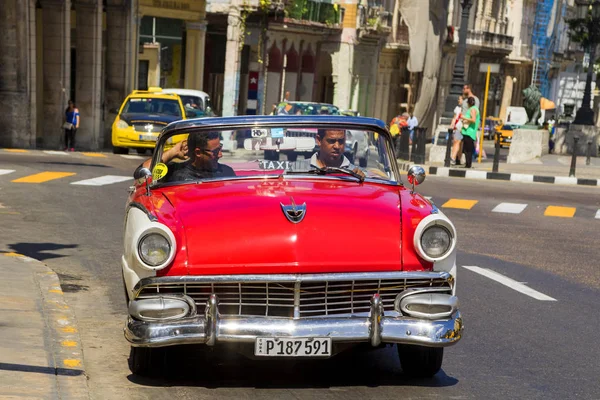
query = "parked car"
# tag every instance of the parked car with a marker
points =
(141, 117)
(195, 100)
(506, 134)
(324, 257)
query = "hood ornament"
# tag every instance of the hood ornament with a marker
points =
(294, 213)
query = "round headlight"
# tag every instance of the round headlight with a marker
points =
(122, 124)
(154, 249)
(436, 241)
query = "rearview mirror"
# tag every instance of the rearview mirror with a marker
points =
(416, 176)
(141, 173)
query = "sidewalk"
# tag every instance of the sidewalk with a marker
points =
(549, 168)
(40, 351)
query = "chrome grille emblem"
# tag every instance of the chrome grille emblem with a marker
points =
(149, 128)
(294, 213)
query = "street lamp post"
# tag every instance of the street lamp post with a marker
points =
(585, 30)
(458, 74)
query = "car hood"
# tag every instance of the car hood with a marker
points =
(132, 118)
(236, 227)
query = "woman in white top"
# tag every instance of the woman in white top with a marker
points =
(457, 136)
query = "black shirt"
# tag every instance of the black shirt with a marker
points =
(185, 171)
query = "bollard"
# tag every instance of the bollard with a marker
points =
(588, 159)
(448, 147)
(574, 156)
(404, 151)
(496, 153)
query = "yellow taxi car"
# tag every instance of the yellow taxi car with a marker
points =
(506, 134)
(142, 116)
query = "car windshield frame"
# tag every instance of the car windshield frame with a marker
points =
(304, 105)
(140, 99)
(301, 122)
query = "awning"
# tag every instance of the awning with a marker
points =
(546, 104)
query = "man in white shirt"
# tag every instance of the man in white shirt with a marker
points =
(413, 122)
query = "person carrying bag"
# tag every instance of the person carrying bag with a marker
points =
(71, 125)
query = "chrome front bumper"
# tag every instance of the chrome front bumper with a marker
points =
(375, 329)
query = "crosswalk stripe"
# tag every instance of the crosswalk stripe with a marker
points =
(56, 152)
(103, 180)
(93, 154)
(509, 208)
(557, 211)
(17, 150)
(598, 214)
(511, 283)
(6, 171)
(43, 177)
(132, 157)
(460, 203)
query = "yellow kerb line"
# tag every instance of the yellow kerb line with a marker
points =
(72, 363)
(69, 343)
(94, 154)
(13, 254)
(43, 177)
(557, 211)
(17, 150)
(460, 203)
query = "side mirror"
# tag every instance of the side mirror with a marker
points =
(416, 176)
(141, 173)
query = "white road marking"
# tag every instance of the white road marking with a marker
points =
(132, 157)
(55, 152)
(519, 287)
(428, 197)
(521, 178)
(103, 180)
(442, 171)
(6, 171)
(509, 208)
(598, 214)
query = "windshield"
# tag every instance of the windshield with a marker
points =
(332, 153)
(307, 109)
(192, 102)
(152, 106)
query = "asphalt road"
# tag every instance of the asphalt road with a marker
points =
(514, 346)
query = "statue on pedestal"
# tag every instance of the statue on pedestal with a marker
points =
(531, 102)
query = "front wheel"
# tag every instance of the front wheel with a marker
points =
(420, 361)
(147, 361)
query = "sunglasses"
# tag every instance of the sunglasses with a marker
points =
(339, 141)
(215, 152)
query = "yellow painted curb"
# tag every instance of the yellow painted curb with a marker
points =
(69, 343)
(17, 150)
(69, 329)
(72, 363)
(43, 177)
(13, 255)
(94, 154)
(557, 211)
(460, 203)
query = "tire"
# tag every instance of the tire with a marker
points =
(147, 361)
(420, 361)
(271, 155)
(120, 150)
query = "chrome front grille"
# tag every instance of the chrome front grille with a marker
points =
(298, 299)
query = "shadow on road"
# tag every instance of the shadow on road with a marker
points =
(40, 370)
(198, 367)
(40, 251)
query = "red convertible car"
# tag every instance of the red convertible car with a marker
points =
(303, 258)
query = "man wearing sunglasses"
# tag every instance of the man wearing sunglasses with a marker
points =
(202, 152)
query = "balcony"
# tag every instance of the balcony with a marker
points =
(495, 42)
(374, 20)
(309, 12)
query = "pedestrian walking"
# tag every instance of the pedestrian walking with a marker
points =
(413, 122)
(457, 135)
(471, 120)
(70, 125)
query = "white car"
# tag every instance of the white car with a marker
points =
(195, 100)
(357, 147)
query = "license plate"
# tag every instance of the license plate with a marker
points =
(296, 347)
(150, 138)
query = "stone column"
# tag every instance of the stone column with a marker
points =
(57, 69)
(118, 61)
(194, 54)
(232, 64)
(16, 75)
(506, 96)
(342, 64)
(88, 85)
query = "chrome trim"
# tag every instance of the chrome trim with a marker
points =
(138, 305)
(411, 291)
(405, 330)
(429, 297)
(139, 206)
(294, 213)
(375, 320)
(356, 276)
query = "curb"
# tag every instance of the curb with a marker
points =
(513, 177)
(66, 353)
